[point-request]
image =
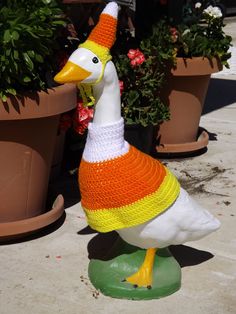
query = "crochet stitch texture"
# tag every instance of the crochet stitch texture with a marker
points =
(120, 186)
(101, 39)
(103, 33)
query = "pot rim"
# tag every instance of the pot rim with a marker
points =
(39, 104)
(196, 66)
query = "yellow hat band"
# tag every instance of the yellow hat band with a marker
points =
(102, 52)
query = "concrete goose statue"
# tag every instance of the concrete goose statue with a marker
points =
(122, 188)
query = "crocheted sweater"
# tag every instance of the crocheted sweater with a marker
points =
(120, 186)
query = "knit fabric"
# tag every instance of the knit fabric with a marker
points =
(103, 53)
(120, 186)
(102, 38)
(105, 142)
(104, 32)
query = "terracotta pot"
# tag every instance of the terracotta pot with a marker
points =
(185, 95)
(58, 156)
(28, 128)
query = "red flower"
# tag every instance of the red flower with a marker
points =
(82, 117)
(133, 53)
(121, 83)
(78, 118)
(136, 57)
(174, 34)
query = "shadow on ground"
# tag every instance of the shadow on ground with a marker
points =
(100, 245)
(67, 185)
(220, 93)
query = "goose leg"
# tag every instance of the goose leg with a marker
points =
(143, 277)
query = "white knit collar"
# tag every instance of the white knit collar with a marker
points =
(105, 142)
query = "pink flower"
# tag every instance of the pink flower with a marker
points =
(174, 34)
(136, 57)
(140, 59)
(82, 117)
(121, 83)
(78, 118)
(133, 62)
(80, 128)
(132, 53)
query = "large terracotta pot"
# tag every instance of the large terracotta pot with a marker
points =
(185, 94)
(28, 128)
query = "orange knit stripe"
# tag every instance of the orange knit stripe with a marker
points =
(104, 32)
(120, 181)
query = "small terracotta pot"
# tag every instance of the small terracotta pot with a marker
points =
(28, 128)
(185, 94)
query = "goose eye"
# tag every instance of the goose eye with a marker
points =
(95, 60)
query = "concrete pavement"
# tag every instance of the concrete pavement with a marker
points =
(48, 274)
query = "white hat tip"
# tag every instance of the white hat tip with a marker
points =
(112, 9)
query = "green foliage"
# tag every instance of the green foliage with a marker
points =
(141, 101)
(28, 43)
(202, 34)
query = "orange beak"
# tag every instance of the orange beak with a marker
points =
(71, 73)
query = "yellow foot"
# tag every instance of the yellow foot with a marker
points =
(140, 279)
(143, 277)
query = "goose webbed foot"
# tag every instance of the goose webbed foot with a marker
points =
(143, 277)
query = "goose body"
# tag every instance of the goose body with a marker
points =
(183, 221)
(123, 189)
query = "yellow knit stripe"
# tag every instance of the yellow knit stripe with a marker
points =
(105, 220)
(103, 53)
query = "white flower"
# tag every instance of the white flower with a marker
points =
(198, 5)
(214, 12)
(186, 32)
(217, 12)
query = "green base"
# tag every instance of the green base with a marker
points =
(123, 261)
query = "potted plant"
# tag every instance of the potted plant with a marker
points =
(163, 88)
(142, 74)
(30, 37)
(201, 48)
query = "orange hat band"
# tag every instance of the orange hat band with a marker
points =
(104, 32)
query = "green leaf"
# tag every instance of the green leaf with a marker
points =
(14, 63)
(59, 23)
(31, 53)
(16, 54)
(39, 58)
(26, 79)
(11, 91)
(28, 61)
(15, 35)
(8, 52)
(7, 36)
(4, 98)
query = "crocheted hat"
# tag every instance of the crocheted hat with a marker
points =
(103, 36)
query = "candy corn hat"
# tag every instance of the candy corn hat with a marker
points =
(103, 36)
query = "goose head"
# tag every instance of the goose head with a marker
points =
(87, 63)
(83, 66)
